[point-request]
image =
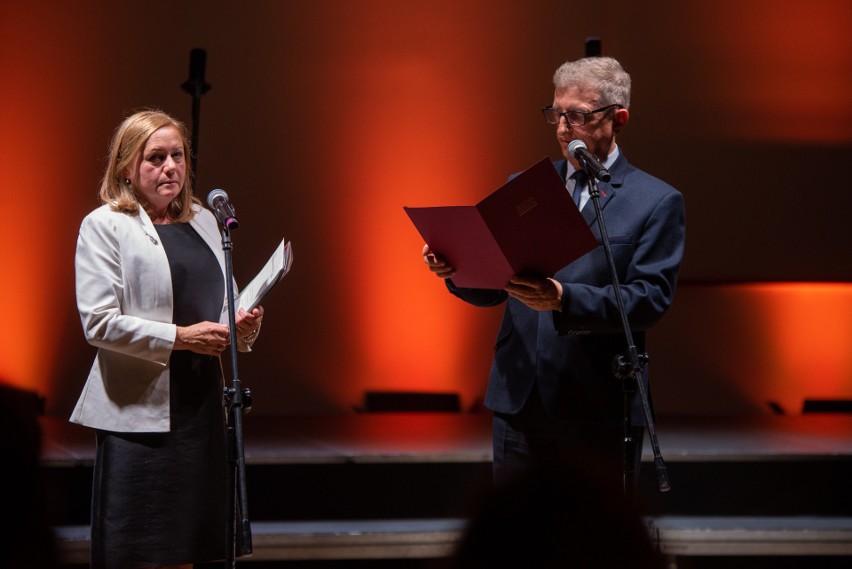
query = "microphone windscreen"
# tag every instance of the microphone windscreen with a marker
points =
(217, 193)
(576, 145)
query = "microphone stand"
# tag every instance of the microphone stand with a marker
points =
(628, 369)
(237, 399)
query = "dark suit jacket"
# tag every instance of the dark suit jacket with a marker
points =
(569, 354)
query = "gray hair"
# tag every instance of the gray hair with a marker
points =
(604, 75)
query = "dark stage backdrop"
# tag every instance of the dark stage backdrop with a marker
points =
(325, 118)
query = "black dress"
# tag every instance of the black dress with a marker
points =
(159, 498)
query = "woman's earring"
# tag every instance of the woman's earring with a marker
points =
(127, 181)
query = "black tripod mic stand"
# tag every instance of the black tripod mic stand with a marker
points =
(237, 402)
(628, 369)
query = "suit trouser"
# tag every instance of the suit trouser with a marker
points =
(595, 452)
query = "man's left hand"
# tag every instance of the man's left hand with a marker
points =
(537, 293)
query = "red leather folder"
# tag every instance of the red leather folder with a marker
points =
(530, 225)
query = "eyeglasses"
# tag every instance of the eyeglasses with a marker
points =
(574, 118)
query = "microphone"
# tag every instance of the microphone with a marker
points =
(579, 150)
(218, 202)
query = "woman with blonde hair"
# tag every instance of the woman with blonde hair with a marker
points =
(151, 293)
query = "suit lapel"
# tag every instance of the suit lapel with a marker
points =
(607, 192)
(212, 237)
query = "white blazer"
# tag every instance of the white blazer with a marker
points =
(124, 296)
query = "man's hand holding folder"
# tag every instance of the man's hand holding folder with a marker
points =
(529, 225)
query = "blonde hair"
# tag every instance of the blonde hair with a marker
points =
(604, 75)
(125, 149)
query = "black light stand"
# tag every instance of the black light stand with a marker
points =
(628, 369)
(196, 87)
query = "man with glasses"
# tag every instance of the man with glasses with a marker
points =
(552, 387)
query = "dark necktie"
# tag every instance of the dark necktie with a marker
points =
(580, 179)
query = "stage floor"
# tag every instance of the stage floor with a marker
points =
(386, 485)
(466, 438)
